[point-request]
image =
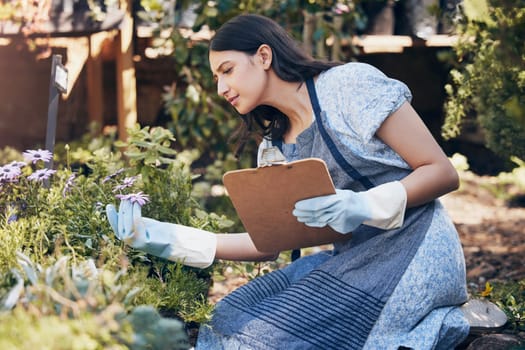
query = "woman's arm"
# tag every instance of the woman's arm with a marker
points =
(433, 175)
(239, 247)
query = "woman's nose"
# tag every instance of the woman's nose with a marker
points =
(222, 87)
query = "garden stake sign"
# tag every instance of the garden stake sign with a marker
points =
(57, 85)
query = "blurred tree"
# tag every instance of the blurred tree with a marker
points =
(488, 83)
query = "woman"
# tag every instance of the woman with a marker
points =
(398, 281)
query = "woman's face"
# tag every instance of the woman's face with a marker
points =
(241, 79)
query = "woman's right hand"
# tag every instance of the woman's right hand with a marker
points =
(187, 245)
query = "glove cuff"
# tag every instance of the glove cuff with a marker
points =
(387, 205)
(194, 247)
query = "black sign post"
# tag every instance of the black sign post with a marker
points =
(57, 85)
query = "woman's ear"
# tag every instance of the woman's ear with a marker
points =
(264, 54)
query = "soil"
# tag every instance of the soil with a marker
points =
(492, 230)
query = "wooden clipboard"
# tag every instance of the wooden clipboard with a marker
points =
(264, 199)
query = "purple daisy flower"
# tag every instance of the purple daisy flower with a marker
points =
(41, 175)
(69, 184)
(18, 164)
(127, 182)
(138, 197)
(109, 177)
(40, 154)
(10, 172)
(12, 218)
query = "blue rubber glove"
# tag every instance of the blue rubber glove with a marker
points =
(382, 206)
(187, 245)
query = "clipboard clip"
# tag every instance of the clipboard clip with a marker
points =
(271, 156)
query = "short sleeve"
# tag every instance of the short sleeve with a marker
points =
(362, 97)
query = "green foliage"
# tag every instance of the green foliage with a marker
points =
(81, 307)
(173, 287)
(488, 87)
(64, 306)
(149, 153)
(47, 224)
(507, 186)
(21, 331)
(510, 297)
(45, 221)
(211, 193)
(153, 332)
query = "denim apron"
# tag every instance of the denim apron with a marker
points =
(331, 299)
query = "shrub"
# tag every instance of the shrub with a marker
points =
(52, 222)
(488, 86)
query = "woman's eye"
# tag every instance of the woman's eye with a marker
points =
(228, 71)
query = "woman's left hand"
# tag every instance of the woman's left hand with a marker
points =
(382, 206)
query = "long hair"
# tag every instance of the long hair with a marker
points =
(246, 33)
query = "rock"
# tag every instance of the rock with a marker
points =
(495, 342)
(483, 316)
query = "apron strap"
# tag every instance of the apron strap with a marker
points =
(343, 163)
(278, 144)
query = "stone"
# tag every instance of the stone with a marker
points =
(496, 342)
(483, 316)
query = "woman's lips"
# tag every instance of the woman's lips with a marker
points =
(233, 100)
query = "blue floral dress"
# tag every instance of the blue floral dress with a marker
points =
(383, 289)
